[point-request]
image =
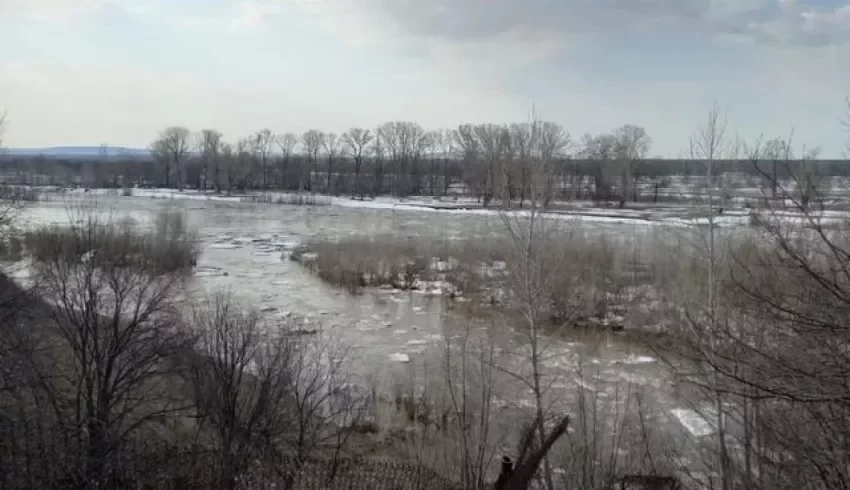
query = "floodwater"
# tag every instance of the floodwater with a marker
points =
(388, 333)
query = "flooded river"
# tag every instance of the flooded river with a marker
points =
(387, 332)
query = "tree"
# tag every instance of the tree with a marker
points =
(229, 161)
(777, 151)
(313, 142)
(535, 265)
(492, 143)
(358, 141)
(467, 144)
(402, 141)
(172, 149)
(444, 145)
(379, 151)
(240, 379)
(632, 145)
(708, 144)
(286, 143)
(210, 150)
(242, 170)
(553, 142)
(105, 367)
(263, 145)
(11, 204)
(331, 143)
(600, 150)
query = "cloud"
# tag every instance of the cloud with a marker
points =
(473, 21)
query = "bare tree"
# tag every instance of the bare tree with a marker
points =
(535, 264)
(467, 144)
(240, 378)
(115, 333)
(632, 145)
(600, 150)
(210, 150)
(11, 203)
(358, 141)
(243, 168)
(286, 143)
(228, 163)
(444, 145)
(263, 145)
(708, 144)
(403, 143)
(492, 144)
(379, 152)
(779, 153)
(332, 144)
(172, 149)
(553, 142)
(313, 142)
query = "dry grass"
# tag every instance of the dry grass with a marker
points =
(168, 247)
(594, 281)
(293, 199)
(407, 264)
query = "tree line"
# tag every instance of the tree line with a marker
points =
(402, 159)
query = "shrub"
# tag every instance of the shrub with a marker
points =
(401, 263)
(168, 247)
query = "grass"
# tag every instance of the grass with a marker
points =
(355, 263)
(591, 281)
(169, 246)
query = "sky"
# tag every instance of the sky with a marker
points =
(87, 72)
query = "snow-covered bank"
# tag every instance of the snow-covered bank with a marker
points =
(570, 211)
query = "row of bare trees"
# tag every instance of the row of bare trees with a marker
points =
(403, 159)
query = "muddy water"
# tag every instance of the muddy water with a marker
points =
(242, 252)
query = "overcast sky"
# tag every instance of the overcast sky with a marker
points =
(85, 72)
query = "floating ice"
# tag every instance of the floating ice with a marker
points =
(695, 423)
(224, 246)
(399, 357)
(632, 359)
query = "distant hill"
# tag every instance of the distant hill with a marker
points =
(77, 152)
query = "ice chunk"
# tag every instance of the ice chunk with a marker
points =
(633, 359)
(224, 246)
(695, 423)
(399, 357)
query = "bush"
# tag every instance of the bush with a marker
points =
(168, 247)
(401, 263)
